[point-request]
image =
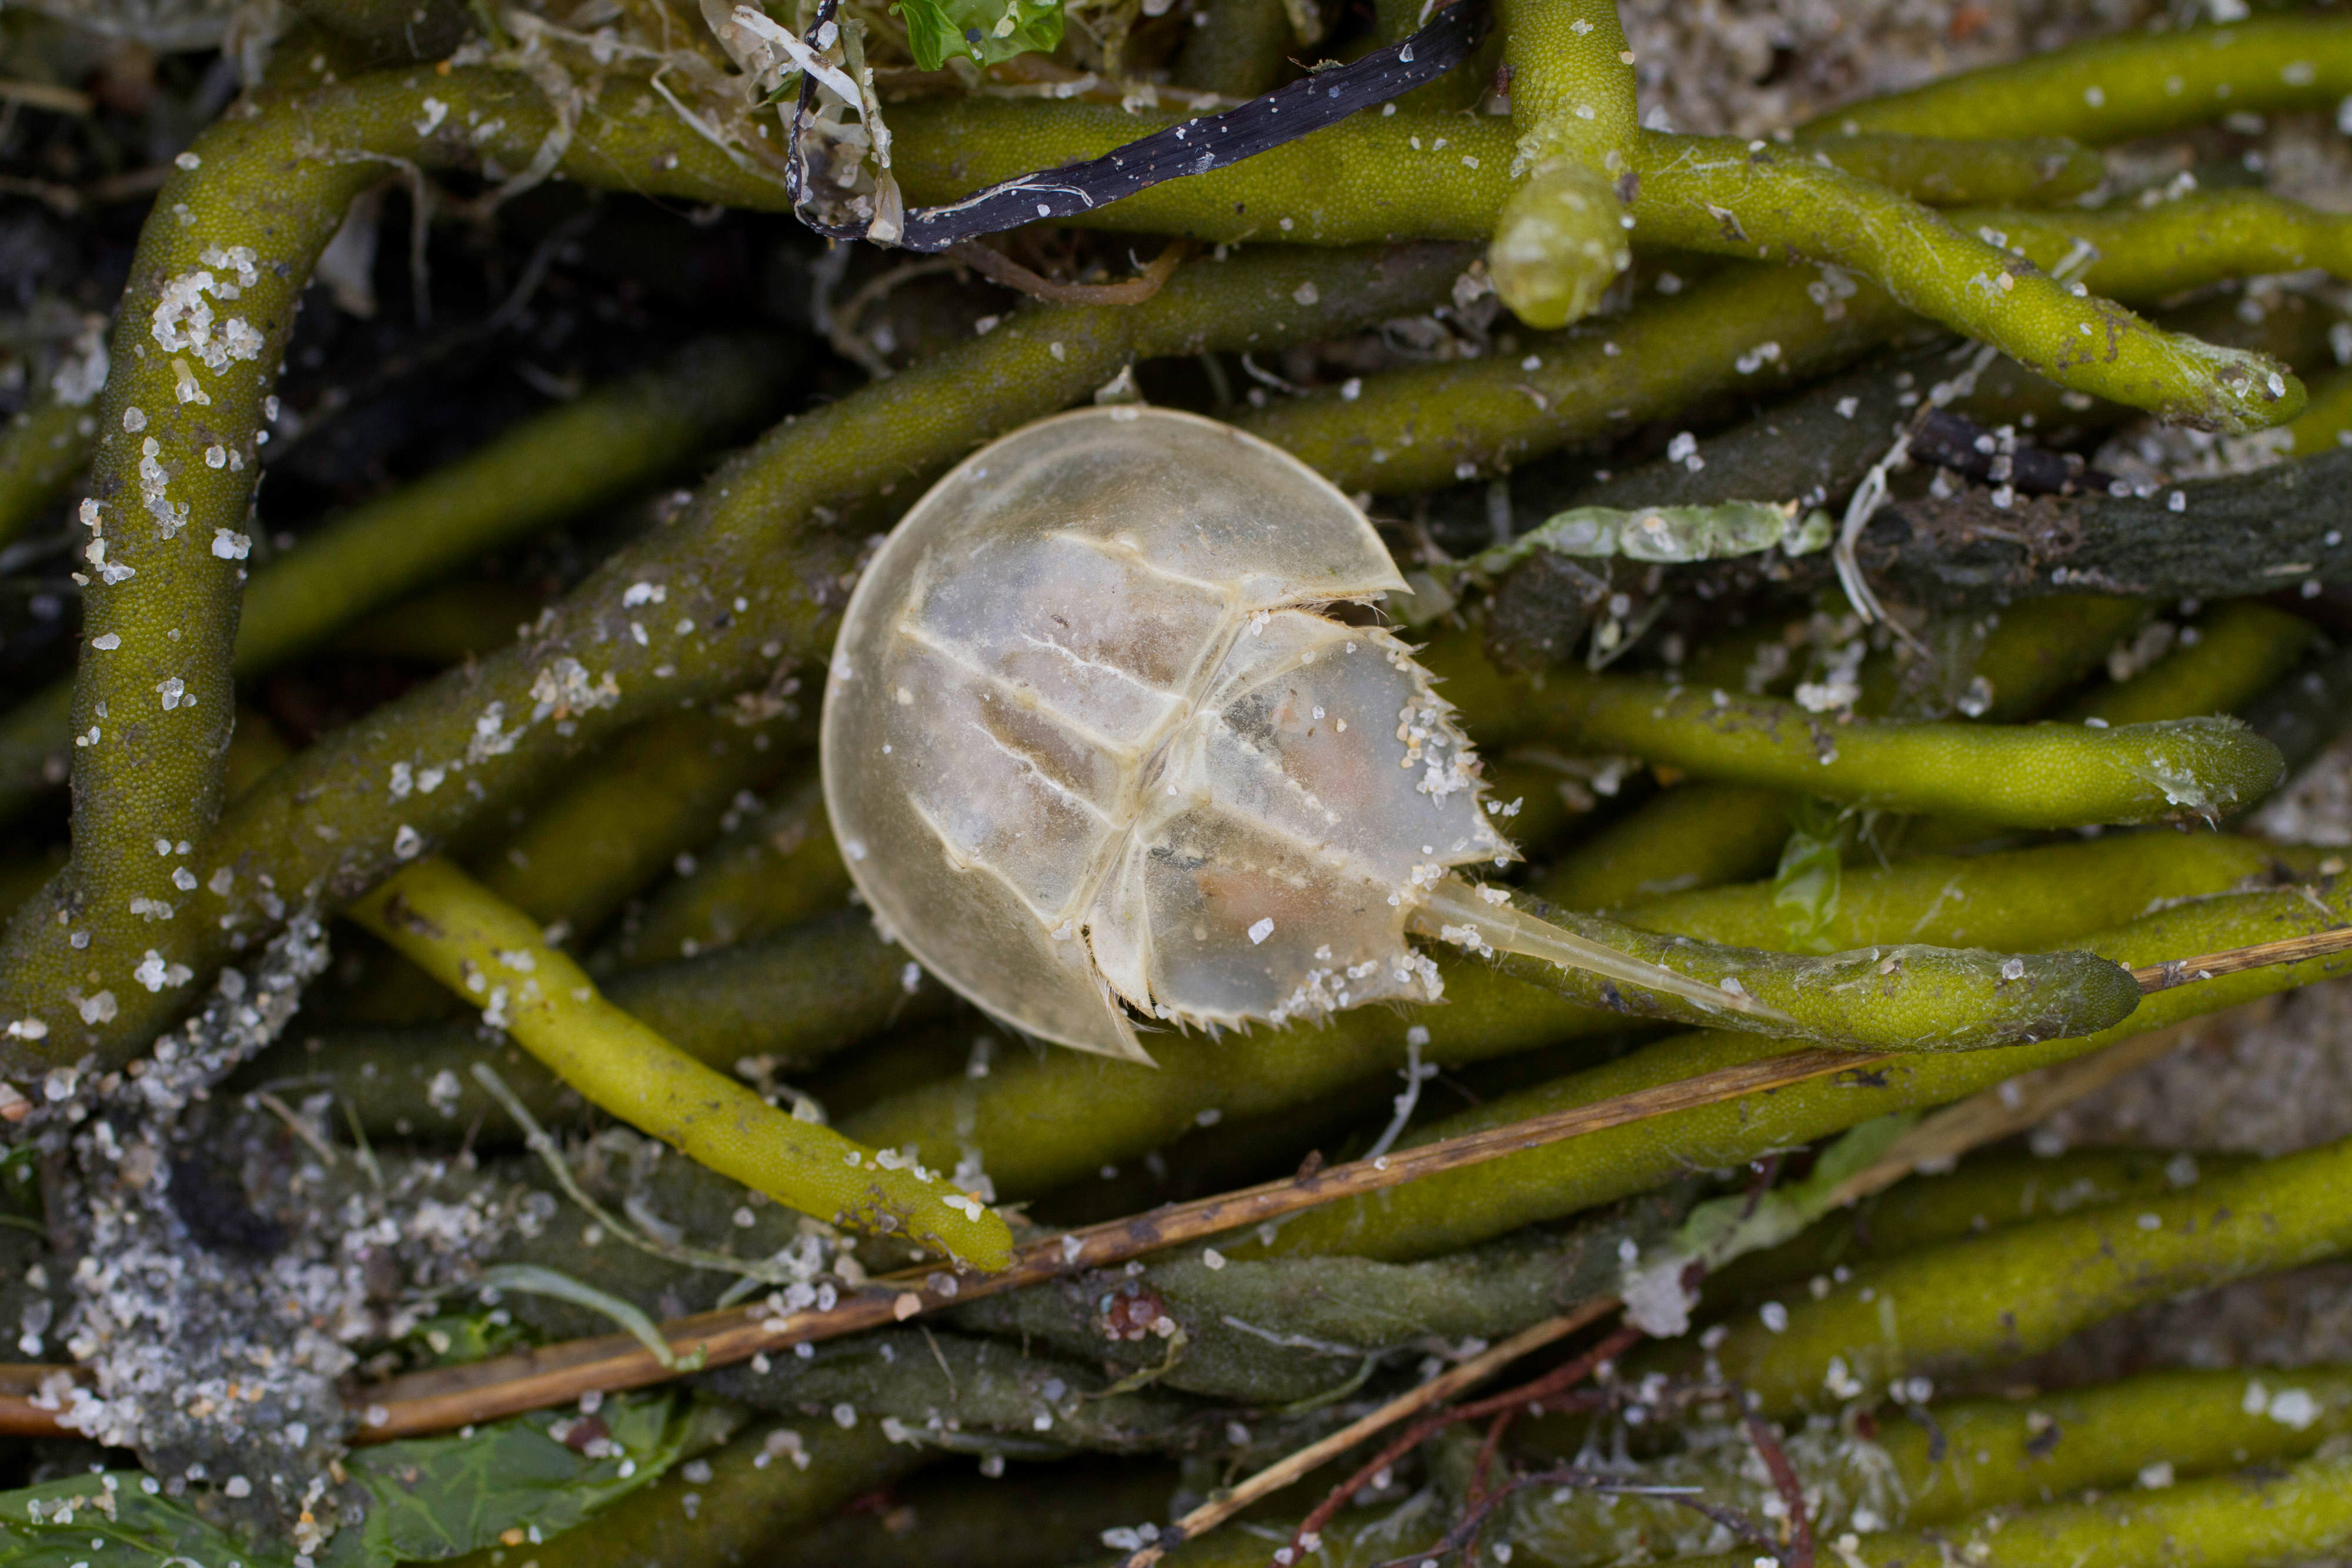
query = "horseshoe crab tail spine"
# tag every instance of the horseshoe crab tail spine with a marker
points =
(1456, 912)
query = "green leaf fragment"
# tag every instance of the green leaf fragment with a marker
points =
(453, 1339)
(1657, 534)
(1806, 885)
(442, 1497)
(1665, 534)
(60, 1524)
(429, 1498)
(983, 31)
(1723, 1228)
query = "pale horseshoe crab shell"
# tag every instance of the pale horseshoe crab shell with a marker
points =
(1089, 741)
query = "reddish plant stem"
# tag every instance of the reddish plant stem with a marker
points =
(1799, 1552)
(1566, 1376)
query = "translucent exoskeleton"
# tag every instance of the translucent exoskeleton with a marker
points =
(1095, 748)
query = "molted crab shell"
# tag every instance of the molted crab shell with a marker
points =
(1088, 740)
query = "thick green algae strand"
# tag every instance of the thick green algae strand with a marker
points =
(2034, 776)
(2043, 646)
(1423, 426)
(1697, 834)
(1043, 1119)
(2129, 84)
(1986, 1192)
(2240, 649)
(2019, 1291)
(1589, 165)
(493, 955)
(1716, 196)
(553, 465)
(41, 449)
(1929, 1464)
(651, 798)
(2017, 901)
(2326, 422)
(1442, 1212)
(2265, 1515)
(787, 1000)
(1897, 997)
(778, 866)
(1703, 834)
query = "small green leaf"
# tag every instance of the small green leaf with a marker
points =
(442, 1497)
(1723, 1228)
(1665, 534)
(453, 1339)
(532, 1280)
(429, 1498)
(1805, 886)
(54, 1524)
(984, 31)
(1659, 535)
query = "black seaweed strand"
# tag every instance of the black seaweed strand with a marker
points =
(1194, 147)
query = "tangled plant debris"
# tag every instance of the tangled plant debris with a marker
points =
(1848, 505)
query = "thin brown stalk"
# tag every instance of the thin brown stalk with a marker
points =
(2261, 956)
(25, 1409)
(1466, 1533)
(2011, 1107)
(1799, 1552)
(1438, 1390)
(553, 1375)
(481, 1391)
(994, 264)
(1479, 1489)
(1487, 1449)
(2030, 1098)
(841, 326)
(42, 95)
(1559, 1380)
(449, 1397)
(20, 1417)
